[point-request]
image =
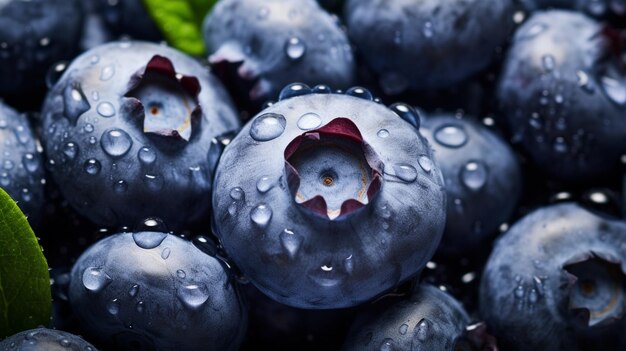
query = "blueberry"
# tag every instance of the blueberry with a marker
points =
(564, 95)
(127, 130)
(43, 339)
(126, 18)
(482, 178)
(278, 42)
(151, 290)
(21, 168)
(34, 35)
(555, 278)
(321, 202)
(430, 44)
(429, 320)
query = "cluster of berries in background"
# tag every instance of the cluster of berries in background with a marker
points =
(323, 175)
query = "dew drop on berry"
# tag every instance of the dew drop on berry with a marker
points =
(92, 166)
(105, 109)
(309, 121)
(451, 136)
(405, 172)
(293, 90)
(113, 307)
(474, 175)
(291, 242)
(264, 184)
(261, 215)
(70, 150)
(403, 329)
(95, 279)
(422, 330)
(614, 89)
(237, 194)
(165, 254)
(322, 89)
(181, 274)
(425, 162)
(383, 133)
(30, 163)
(268, 126)
(120, 186)
(295, 48)
(407, 113)
(146, 155)
(193, 296)
(107, 72)
(54, 73)
(148, 240)
(116, 142)
(360, 93)
(133, 290)
(387, 345)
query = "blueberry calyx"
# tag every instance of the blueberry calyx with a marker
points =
(163, 101)
(332, 171)
(597, 290)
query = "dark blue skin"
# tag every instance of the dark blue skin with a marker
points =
(151, 290)
(126, 18)
(555, 279)
(21, 168)
(278, 42)
(425, 45)
(34, 35)
(108, 107)
(429, 320)
(43, 339)
(564, 96)
(482, 177)
(286, 232)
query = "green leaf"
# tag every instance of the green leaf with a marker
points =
(25, 298)
(181, 22)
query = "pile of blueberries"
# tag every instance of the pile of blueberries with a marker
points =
(275, 195)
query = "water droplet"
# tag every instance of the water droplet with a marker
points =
(422, 330)
(4, 179)
(261, 215)
(232, 209)
(193, 296)
(95, 279)
(181, 274)
(426, 163)
(263, 13)
(474, 175)
(386, 345)
(65, 343)
(54, 74)
(116, 142)
(360, 93)
(146, 155)
(165, 254)
(427, 29)
(264, 184)
(30, 162)
(237, 194)
(295, 48)
(322, 89)
(348, 264)
(92, 166)
(407, 113)
(93, 140)
(309, 121)
(451, 136)
(74, 102)
(291, 242)
(533, 296)
(139, 306)
(134, 290)
(88, 128)
(403, 328)
(26, 195)
(533, 31)
(148, 240)
(268, 126)
(405, 172)
(615, 90)
(519, 291)
(105, 109)
(107, 72)
(584, 82)
(70, 150)
(113, 307)
(383, 133)
(293, 90)
(153, 224)
(548, 62)
(120, 186)
(560, 145)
